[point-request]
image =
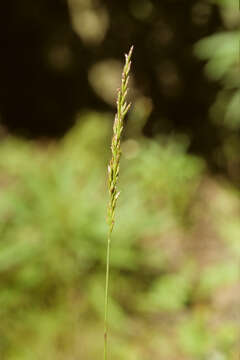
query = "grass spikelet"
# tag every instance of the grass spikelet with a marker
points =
(113, 174)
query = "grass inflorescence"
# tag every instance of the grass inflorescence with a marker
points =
(113, 174)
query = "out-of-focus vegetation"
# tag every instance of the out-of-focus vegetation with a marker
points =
(221, 50)
(174, 288)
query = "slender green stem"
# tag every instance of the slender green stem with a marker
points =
(106, 295)
(113, 173)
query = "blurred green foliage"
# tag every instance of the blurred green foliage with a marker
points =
(221, 50)
(52, 250)
(221, 53)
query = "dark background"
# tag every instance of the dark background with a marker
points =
(37, 99)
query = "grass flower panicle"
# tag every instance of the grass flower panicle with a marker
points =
(113, 173)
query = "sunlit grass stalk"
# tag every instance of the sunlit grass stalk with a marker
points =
(113, 173)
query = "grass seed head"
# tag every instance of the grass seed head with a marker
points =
(114, 165)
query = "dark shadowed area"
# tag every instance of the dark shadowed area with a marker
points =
(46, 61)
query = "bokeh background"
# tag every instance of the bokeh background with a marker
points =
(175, 290)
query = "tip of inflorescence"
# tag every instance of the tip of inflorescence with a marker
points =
(129, 54)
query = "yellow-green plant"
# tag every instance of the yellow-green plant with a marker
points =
(113, 173)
